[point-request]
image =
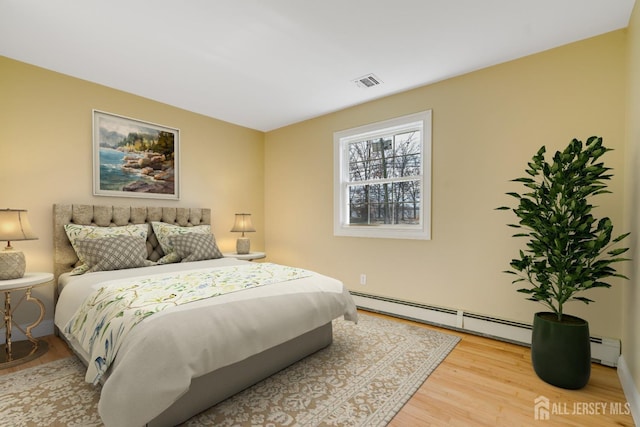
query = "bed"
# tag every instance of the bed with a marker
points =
(188, 357)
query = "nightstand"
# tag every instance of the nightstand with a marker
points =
(15, 353)
(248, 257)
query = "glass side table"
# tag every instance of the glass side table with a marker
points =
(15, 353)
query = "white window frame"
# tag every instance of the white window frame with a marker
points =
(341, 140)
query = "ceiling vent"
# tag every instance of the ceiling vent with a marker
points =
(367, 81)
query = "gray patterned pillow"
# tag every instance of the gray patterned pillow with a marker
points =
(114, 253)
(164, 232)
(195, 247)
(76, 232)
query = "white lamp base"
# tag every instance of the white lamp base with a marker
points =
(243, 245)
(12, 265)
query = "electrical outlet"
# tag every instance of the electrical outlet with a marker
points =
(363, 279)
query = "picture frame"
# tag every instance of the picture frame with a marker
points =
(134, 158)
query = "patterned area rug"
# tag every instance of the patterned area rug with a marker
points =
(362, 379)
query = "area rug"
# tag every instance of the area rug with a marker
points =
(362, 379)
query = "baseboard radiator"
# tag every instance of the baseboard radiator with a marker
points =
(605, 351)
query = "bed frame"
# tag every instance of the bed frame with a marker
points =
(216, 386)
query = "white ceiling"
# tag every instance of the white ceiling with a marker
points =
(265, 64)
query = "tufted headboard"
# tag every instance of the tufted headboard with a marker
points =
(64, 257)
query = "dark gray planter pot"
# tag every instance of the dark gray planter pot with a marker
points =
(561, 351)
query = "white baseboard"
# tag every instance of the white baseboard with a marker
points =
(630, 389)
(605, 351)
(43, 329)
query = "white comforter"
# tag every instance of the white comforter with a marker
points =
(156, 363)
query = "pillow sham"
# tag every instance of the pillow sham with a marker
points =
(195, 247)
(165, 231)
(114, 253)
(76, 232)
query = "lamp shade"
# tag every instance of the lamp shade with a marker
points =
(14, 225)
(243, 223)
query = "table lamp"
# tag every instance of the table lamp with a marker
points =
(14, 225)
(243, 224)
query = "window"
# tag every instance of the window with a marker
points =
(382, 176)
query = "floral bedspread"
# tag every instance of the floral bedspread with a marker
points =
(108, 315)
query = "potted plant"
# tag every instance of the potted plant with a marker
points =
(568, 251)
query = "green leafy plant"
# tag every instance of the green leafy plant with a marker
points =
(568, 250)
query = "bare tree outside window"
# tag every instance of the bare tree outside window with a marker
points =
(385, 179)
(381, 181)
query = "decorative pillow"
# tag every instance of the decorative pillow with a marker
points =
(165, 231)
(195, 247)
(76, 232)
(114, 253)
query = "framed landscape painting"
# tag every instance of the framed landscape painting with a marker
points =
(132, 158)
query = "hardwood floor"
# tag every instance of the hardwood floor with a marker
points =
(58, 349)
(484, 382)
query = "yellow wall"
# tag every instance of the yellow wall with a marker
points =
(46, 157)
(486, 126)
(631, 295)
